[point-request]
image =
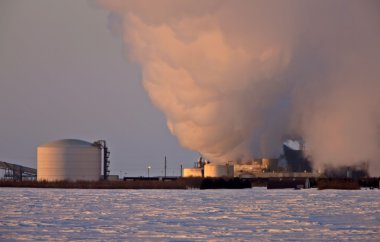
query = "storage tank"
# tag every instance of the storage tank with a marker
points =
(192, 172)
(216, 170)
(68, 159)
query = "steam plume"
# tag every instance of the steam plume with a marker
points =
(235, 78)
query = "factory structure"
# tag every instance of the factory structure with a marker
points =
(203, 168)
(257, 168)
(72, 159)
(78, 160)
(292, 163)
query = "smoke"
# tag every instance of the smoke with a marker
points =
(236, 78)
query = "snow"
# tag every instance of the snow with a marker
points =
(189, 215)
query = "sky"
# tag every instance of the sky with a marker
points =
(64, 74)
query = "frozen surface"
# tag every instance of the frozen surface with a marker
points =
(189, 215)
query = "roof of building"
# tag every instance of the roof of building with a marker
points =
(293, 144)
(67, 142)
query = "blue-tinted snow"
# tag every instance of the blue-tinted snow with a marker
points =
(189, 215)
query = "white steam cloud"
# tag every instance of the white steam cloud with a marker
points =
(236, 78)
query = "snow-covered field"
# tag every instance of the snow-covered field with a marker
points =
(186, 215)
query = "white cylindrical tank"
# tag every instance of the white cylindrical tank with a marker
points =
(68, 159)
(192, 172)
(216, 170)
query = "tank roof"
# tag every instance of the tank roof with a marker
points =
(67, 142)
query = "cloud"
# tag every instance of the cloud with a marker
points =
(234, 78)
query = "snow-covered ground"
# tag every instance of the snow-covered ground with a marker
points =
(187, 215)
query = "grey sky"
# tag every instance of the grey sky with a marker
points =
(63, 75)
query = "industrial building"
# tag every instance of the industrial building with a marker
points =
(296, 159)
(210, 170)
(197, 170)
(17, 172)
(203, 168)
(218, 170)
(193, 172)
(72, 159)
(255, 166)
(354, 171)
(78, 160)
(292, 163)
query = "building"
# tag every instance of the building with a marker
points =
(218, 170)
(359, 170)
(69, 159)
(296, 160)
(197, 170)
(193, 172)
(253, 167)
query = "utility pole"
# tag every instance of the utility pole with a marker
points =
(181, 170)
(165, 166)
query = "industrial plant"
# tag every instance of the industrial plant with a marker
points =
(73, 160)
(292, 163)
(64, 160)
(257, 168)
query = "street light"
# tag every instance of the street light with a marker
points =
(148, 170)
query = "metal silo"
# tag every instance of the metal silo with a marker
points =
(192, 172)
(216, 170)
(69, 159)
